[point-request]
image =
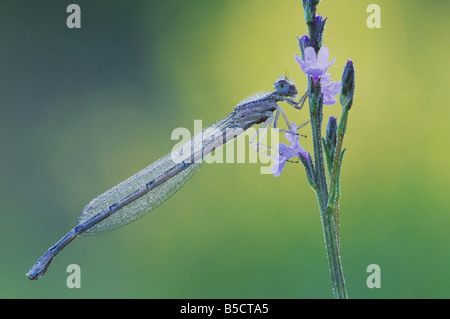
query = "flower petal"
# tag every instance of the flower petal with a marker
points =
(293, 127)
(301, 63)
(287, 151)
(315, 72)
(334, 88)
(325, 80)
(278, 167)
(332, 61)
(322, 57)
(310, 57)
(329, 100)
(292, 135)
(330, 90)
(315, 65)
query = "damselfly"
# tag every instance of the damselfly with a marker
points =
(146, 190)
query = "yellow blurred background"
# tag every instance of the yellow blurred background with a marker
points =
(82, 110)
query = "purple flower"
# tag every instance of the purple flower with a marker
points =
(278, 167)
(329, 89)
(315, 65)
(286, 152)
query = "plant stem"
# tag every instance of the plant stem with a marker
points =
(328, 222)
(332, 217)
(316, 124)
(333, 254)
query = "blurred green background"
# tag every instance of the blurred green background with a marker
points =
(83, 109)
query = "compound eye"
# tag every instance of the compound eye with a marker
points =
(281, 86)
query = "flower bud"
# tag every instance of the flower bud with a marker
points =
(316, 32)
(329, 141)
(348, 85)
(331, 133)
(307, 162)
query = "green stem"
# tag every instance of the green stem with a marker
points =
(333, 254)
(316, 124)
(333, 204)
(336, 164)
(328, 222)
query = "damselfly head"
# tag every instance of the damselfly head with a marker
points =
(285, 87)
